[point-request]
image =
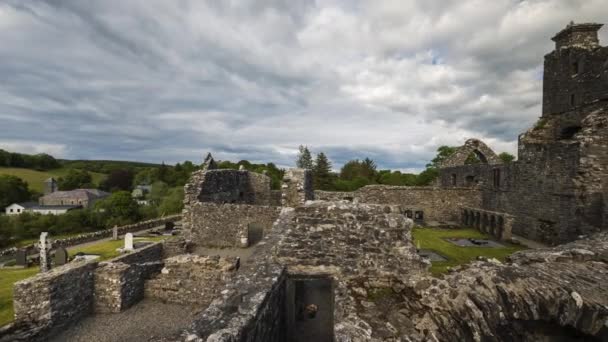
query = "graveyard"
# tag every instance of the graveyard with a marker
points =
(436, 239)
(8, 276)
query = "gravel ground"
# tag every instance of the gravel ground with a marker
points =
(146, 320)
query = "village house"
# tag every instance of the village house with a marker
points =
(33, 207)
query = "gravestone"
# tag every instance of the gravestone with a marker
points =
(61, 256)
(44, 247)
(128, 242)
(115, 233)
(21, 258)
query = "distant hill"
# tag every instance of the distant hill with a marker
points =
(35, 178)
(104, 166)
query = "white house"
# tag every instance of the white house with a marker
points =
(17, 208)
(33, 207)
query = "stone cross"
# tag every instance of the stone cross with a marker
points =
(44, 248)
(128, 242)
(115, 233)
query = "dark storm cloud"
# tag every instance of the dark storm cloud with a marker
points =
(169, 80)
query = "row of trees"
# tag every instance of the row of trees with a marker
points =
(118, 209)
(357, 173)
(37, 162)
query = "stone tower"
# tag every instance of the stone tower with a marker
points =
(576, 72)
(50, 186)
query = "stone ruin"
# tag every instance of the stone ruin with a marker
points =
(304, 265)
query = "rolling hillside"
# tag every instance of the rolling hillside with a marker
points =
(34, 178)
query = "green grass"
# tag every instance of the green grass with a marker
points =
(106, 249)
(7, 278)
(35, 178)
(433, 238)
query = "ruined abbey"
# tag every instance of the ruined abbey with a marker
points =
(343, 266)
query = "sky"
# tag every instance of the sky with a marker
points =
(157, 80)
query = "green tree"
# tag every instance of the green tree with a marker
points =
(75, 179)
(506, 157)
(12, 190)
(120, 208)
(119, 179)
(365, 169)
(173, 203)
(443, 153)
(304, 160)
(158, 192)
(322, 176)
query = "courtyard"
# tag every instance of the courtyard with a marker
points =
(9, 276)
(437, 240)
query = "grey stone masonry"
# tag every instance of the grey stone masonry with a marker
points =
(54, 299)
(191, 279)
(297, 187)
(119, 282)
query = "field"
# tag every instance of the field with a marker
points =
(432, 238)
(35, 178)
(9, 276)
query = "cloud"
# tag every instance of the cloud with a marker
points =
(167, 81)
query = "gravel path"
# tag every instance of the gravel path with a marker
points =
(146, 320)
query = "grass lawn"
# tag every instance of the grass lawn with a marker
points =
(35, 178)
(107, 250)
(7, 278)
(433, 238)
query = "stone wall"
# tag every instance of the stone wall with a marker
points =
(575, 72)
(359, 247)
(228, 186)
(119, 283)
(437, 204)
(556, 191)
(94, 236)
(554, 294)
(297, 187)
(223, 225)
(493, 223)
(191, 279)
(51, 300)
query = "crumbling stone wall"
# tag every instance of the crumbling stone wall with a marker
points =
(437, 204)
(557, 189)
(362, 247)
(51, 300)
(191, 279)
(213, 225)
(228, 186)
(493, 223)
(297, 187)
(573, 71)
(540, 295)
(484, 153)
(119, 283)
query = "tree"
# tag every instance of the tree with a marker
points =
(304, 160)
(158, 192)
(120, 207)
(119, 179)
(75, 179)
(443, 153)
(12, 190)
(506, 157)
(365, 169)
(322, 177)
(173, 203)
